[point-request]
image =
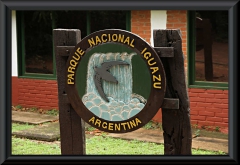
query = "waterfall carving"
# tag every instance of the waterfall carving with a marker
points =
(120, 103)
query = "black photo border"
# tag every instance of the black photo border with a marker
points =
(6, 6)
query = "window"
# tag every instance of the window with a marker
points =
(35, 47)
(208, 49)
(34, 29)
(109, 19)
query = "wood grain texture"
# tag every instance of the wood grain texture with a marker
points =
(204, 41)
(72, 129)
(170, 103)
(164, 51)
(176, 122)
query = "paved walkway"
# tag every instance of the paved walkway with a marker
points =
(50, 132)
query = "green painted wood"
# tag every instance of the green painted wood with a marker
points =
(209, 85)
(128, 21)
(141, 80)
(91, 108)
(191, 47)
(20, 42)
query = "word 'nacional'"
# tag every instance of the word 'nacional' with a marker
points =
(94, 41)
(125, 109)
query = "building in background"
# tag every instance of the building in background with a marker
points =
(34, 81)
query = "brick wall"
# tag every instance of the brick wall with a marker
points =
(141, 23)
(43, 93)
(14, 90)
(35, 93)
(209, 107)
(177, 19)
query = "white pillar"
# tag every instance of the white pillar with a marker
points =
(158, 21)
(14, 45)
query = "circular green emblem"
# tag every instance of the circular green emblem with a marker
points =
(115, 81)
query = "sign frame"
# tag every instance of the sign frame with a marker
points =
(147, 53)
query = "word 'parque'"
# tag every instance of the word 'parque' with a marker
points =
(94, 41)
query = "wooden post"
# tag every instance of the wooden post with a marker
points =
(208, 50)
(176, 122)
(204, 41)
(72, 130)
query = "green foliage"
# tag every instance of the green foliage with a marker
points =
(197, 132)
(153, 125)
(19, 127)
(90, 128)
(31, 147)
(205, 152)
(33, 109)
(53, 112)
(97, 145)
(217, 128)
(148, 125)
(18, 107)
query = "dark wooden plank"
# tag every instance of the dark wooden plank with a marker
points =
(64, 50)
(208, 50)
(164, 51)
(78, 134)
(176, 123)
(72, 130)
(65, 98)
(204, 41)
(199, 23)
(199, 34)
(170, 103)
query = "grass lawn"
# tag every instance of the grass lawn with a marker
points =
(95, 145)
(19, 127)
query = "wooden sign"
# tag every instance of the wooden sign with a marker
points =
(115, 81)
